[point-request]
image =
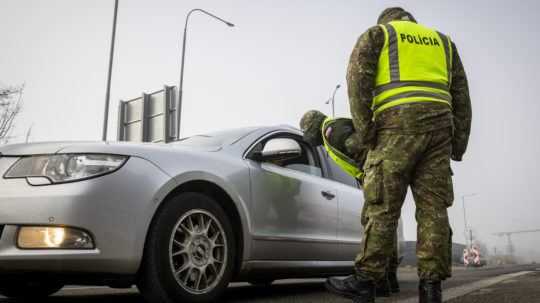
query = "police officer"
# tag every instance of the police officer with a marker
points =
(340, 140)
(410, 103)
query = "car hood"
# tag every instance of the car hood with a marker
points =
(121, 148)
(32, 148)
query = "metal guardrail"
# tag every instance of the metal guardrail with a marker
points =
(149, 118)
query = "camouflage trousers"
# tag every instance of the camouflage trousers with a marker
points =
(421, 161)
(394, 260)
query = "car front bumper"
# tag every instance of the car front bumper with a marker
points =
(115, 209)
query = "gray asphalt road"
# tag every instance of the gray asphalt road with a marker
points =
(523, 289)
(286, 291)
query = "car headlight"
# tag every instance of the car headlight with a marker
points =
(63, 168)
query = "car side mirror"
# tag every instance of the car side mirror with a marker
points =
(279, 149)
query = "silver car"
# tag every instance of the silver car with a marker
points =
(180, 220)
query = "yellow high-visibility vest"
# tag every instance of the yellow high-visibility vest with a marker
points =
(415, 65)
(344, 162)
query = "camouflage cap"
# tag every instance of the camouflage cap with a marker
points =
(311, 124)
(393, 14)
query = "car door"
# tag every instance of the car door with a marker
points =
(350, 204)
(294, 209)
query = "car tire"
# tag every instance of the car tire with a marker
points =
(191, 235)
(23, 289)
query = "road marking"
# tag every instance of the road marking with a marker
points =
(460, 291)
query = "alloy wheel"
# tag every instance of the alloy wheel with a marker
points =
(198, 251)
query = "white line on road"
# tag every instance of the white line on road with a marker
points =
(459, 291)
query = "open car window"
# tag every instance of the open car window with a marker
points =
(334, 172)
(308, 169)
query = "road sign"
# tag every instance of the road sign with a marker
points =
(148, 118)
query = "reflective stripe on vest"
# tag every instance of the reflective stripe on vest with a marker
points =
(414, 66)
(344, 162)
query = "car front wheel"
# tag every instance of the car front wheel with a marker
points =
(190, 252)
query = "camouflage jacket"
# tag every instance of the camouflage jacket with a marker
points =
(408, 118)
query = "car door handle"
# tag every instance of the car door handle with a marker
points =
(328, 195)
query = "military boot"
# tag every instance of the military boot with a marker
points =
(393, 281)
(357, 288)
(382, 287)
(429, 291)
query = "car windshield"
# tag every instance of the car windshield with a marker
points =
(216, 139)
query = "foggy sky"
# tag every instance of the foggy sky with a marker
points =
(283, 58)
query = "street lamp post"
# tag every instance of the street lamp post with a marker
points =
(332, 100)
(111, 57)
(180, 85)
(467, 234)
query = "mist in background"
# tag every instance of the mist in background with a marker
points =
(282, 59)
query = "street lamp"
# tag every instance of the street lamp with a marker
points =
(179, 109)
(332, 100)
(465, 217)
(111, 57)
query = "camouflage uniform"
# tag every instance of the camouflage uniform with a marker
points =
(411, 144)
(343, 138)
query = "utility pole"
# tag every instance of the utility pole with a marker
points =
(181, 83)
(111, 57)
(465, 219)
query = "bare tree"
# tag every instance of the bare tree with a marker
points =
(10, 107)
